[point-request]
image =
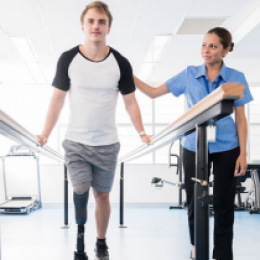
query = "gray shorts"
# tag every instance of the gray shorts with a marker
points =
(95, 164)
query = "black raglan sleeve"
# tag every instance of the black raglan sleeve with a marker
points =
(126, 83)
(61, 79)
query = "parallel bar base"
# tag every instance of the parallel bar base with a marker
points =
(176, 206)
(122, 226)
(66, 226)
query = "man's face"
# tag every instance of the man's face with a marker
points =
(96, 25)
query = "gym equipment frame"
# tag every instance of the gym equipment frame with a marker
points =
(17, 203)
(159, 182)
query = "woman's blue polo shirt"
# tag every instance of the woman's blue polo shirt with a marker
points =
(193, 82)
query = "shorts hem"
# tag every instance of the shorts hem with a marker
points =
(101, 189)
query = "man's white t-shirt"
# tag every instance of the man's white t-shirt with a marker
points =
(93, 89)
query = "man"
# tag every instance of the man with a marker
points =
(93, 74)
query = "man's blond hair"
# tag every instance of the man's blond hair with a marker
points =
(99, 6)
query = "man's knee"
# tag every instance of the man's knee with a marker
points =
(101, 197)
(80, 198)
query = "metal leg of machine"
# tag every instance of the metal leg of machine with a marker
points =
(39, 183)
(180, 204)
(121, 207)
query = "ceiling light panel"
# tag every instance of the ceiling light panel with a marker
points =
(152, 55)
(212, 8)
(156, 47)
(248, 25)
(24, 48)
(199, 26)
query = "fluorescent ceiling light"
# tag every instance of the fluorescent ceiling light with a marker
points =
(199, 26)
(24, 48)
(152, 55)
(247, 26)
(155, 49)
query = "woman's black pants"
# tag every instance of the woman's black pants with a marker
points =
(223, 204)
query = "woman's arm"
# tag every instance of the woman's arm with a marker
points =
(150, 91)
(242, 136)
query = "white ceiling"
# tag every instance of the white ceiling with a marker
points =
(53, 26)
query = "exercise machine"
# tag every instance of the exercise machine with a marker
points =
(159, 182)
(253, 197)
(252, 200)
(18, 203)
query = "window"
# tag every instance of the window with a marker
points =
(254, 125)
(28, 104)
(156, 115)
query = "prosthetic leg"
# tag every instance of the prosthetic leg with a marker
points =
(80, 204)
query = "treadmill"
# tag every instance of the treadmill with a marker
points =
(20, 203)
(253, 197)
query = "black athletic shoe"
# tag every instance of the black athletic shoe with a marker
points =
(80, 256)
(101, 251)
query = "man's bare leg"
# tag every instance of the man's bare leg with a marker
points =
(102, 212)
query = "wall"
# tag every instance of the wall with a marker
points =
(21, 179)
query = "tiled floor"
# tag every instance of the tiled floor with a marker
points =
(151, 233)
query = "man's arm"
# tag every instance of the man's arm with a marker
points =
(133, 110)
(55, 107)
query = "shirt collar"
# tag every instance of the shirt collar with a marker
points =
(223, 72)
(202, 71)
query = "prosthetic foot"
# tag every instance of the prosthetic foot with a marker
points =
(80, 253)
(80, 203)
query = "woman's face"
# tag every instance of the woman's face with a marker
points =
(212, 50)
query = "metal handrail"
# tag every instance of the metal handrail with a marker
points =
(14, 131)
(226, 92)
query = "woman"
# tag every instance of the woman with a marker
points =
(228, 152)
